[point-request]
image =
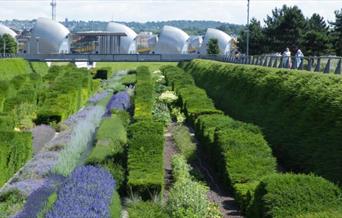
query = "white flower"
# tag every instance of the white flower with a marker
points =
(168, 97)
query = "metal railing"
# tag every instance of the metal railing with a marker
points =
(324, 64)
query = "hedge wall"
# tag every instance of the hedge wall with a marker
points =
(241, 157)
(40, 68)
(69, 88)
(145, 158)
(300, 112)
(15, 151)
(289, 195)
(143, 98)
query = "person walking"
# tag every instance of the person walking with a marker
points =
(287, 59)
(299, 58)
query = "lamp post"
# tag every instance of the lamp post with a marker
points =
(247, 47)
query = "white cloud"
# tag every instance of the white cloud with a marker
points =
(233, 11)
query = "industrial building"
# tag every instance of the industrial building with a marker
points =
(224, 41)
(5, 30)
(172, 40)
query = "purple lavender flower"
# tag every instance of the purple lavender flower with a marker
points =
(121, 101)
(87, 192)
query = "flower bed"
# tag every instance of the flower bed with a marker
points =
(86, 193)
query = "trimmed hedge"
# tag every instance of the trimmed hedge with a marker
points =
(69, 89)
(289, 195)
(145, 158)
(6, 122)
(40, 68)
(300, 112)
(143, 98)
(193, 100)
(15, 151)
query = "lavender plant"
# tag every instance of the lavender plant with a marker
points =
(87, 192)
(98, 97)
(121, 101)
(82, 136)
(41, 135)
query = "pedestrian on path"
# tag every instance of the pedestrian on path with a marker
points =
(299, 58)
(287, 63)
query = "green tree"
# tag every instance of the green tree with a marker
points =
(213, 47)
(285, 28)
(10, 44)
(337, 33)
(256, 38)
(316, 40)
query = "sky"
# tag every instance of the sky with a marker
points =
(231, 11)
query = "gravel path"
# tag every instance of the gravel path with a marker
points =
(169, 150)
(218, 193)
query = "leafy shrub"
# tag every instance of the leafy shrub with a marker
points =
(115, 206)
(298, 111)
(161, 113)
(87, 192)
(10, 203)
(110, 139)
(6, 122)
(15, 151)
(146, 209)
(80, 140)
(143, 99)
(184, 142)
(40, 68)
(145, 158)
(289, 195)
(129, 79)
(187, 198)
(123, 115)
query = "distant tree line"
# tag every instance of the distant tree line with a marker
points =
(287, 27)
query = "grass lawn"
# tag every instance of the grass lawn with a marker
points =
(117, 66)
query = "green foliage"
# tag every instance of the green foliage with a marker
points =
(15, 151)
(143, 98)
(69, 89)
(145, 158)
(161, 113)
(193, 100)
(278, 99)
(6, 122)
(11, 203)
(12, 67)
(337, 32)
(184, 142)
(289, 195)
(110, 139)
(146, 209)
(48, 205)
(40, 68)
(213, 47)
(23, 115)
(9, 43)
(129, 79)
(115, 206)
(188, 198)
(123, 115)
(256, 38)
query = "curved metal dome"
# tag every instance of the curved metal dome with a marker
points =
(49, 37)
(172, 40)
(222, 37)
(194, 44)
(127, 43)
(5, 30)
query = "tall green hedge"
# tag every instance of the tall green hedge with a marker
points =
(15, 151)
(69, 88)
(289, 195)
(40, 68)
(145, 158)
(299, 112)
(143, 98)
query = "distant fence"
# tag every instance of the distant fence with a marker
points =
(323, 64)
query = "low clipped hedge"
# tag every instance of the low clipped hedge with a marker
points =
(193, 100)
(299, 112)
(145, 158)
(15, 151)
(290, 195)
(143, 98)
(40, 68)
(11, 67)
(6, 122)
